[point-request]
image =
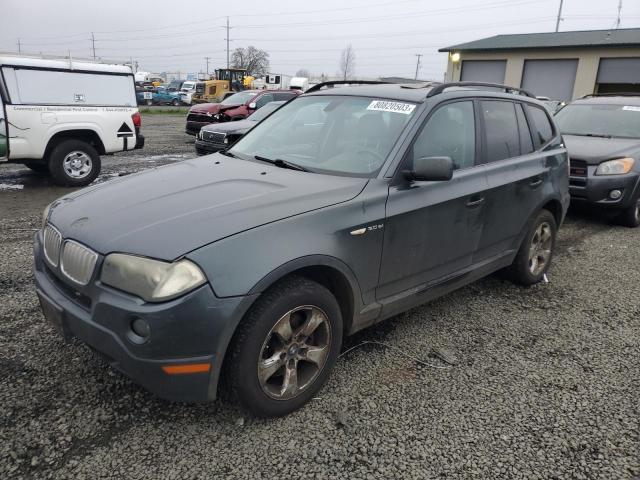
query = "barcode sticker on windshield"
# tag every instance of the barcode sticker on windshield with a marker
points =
(396, 107)
(633, 109)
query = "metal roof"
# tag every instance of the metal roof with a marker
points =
(624, 37)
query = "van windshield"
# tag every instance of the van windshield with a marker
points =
(329, 134)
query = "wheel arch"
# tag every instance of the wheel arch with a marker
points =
(329, 272)
(85, 134)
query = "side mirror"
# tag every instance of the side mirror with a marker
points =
(431, 169)
(252, 105)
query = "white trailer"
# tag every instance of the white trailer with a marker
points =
(277, 81)
(299, 83)
(59, 116)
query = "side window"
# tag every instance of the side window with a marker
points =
(526, 145)
(264, 99)
(502, 139)
(449, 132)
(541, 129)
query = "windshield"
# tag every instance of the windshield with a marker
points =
(188, 85)
(265, 111)
(238, 98)
(606, 120)
(330, 134)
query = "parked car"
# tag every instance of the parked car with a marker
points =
(235, 107)
(187, 91)
(218, 136)
(144, 96)
(163, 96)
(337, 211)
(602, 134)
(63, 131)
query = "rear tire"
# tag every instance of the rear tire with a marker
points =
(630, 216)
(536, 251)
(175, 102)
(284, 349)
(148, 102)
(74, 163)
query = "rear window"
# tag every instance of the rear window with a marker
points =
(541, 130)
(502, 139)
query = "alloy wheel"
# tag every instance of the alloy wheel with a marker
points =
(77, 164)
(540, 249)
(294, 352)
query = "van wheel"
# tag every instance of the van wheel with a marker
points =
(148, 102)
(630, 216)
(175, 102)
(74, 163)
(285, 348)
(534, 257)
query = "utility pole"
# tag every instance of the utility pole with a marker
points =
(93, 45)
(207, 59)
(419, 55)
(19, 47)
(228, 42)
(619, 13)
(559, 16)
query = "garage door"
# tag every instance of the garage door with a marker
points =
(619, 75)
(550, 78)
(491, 71)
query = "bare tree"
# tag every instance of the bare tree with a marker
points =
(303, 72)
(347, 62)
(254, 60)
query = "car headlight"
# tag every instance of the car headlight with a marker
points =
(619, 166)
(151, 280)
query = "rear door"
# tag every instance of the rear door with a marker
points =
(432, 228)
(516, 172)
(4, 130)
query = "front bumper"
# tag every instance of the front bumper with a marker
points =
(594, 189)
(193, 127)
(205, 148)
(195, 328)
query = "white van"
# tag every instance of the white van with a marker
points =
(59, 116)
(187, 91)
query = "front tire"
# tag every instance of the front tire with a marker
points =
(534, 256)
(74, 163)
(175, 102)
(285, 348)
(630, 216)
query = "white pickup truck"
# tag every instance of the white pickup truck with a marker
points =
(59, 116)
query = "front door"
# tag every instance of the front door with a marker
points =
(4, 133)
(432, 228)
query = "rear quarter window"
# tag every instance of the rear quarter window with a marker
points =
(541, 128)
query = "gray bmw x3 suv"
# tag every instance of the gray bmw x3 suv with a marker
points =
(346, 206)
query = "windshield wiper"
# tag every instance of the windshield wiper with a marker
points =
(228, 153)
(281, 163)
(598, 135)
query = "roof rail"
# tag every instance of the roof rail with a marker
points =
(332, 83)
(438, 89)
(612, 94)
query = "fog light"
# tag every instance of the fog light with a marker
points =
(615, 194)
(141, 328)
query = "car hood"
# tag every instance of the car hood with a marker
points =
(240, 126)
(594, 150)
(169, 211)
(212, 108)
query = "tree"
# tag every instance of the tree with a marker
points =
(347, 63)
(254, 60)
(303, 72)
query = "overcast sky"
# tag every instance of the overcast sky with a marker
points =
(386, 35)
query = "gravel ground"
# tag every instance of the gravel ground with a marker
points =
(545, 383)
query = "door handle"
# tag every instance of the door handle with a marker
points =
(535, 182)
(475, 202)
